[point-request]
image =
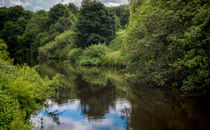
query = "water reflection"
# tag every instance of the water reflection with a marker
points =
(165, 110)
(100, 98)
(72, 117)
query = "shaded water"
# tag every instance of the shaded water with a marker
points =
(101, 99)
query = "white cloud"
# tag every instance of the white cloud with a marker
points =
(15, 2)
(71, 124)
(76, 2)
(110, 4)
(35, 5)
(38, 8)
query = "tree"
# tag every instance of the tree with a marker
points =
(167, 43)
(58, 11)
(61, 25)
(72, 8)
(39, 22)
(95, 24)
(122, 12)
(9, 34)
(24, 49)
(60, 19)
(13, 23)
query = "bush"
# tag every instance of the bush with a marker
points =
(93, 54)
(3, 50)
(22, 91)
(74, 54)
(98, 50)
(114, 58)
(8, 108)
(90, 61)
(101, 54)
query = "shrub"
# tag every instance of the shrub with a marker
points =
(22, 91)
(98, 50)
(8, 108)
(114, 58)
(116, 43)
(101, 54)
(3, 50)
(74, 54)
(90, 61)
(93, 54)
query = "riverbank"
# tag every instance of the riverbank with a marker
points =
(22, 92)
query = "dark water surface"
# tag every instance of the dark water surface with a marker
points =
(101, 99)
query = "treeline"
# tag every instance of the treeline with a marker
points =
(90, 41)
(165, 44)
(25, 31)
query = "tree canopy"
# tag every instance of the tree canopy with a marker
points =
(167, 42)
(122, 12)
(95, 24)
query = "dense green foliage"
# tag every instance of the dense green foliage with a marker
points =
(3, 50)
(22, 91)
(168, 42)
(122, 12)
(95, 24)
(165, 43)
(64, 47)
(24, 31)
(74, 9)
(106, 55)
(60, 47)
(12, 24)
(94, 54)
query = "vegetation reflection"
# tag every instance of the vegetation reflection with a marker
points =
(151, 108)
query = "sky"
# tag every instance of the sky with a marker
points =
(35, 5)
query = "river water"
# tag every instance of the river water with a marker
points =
(94, 98)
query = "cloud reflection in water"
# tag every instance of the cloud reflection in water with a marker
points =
(70, 116)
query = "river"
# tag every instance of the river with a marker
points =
(94, 98)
